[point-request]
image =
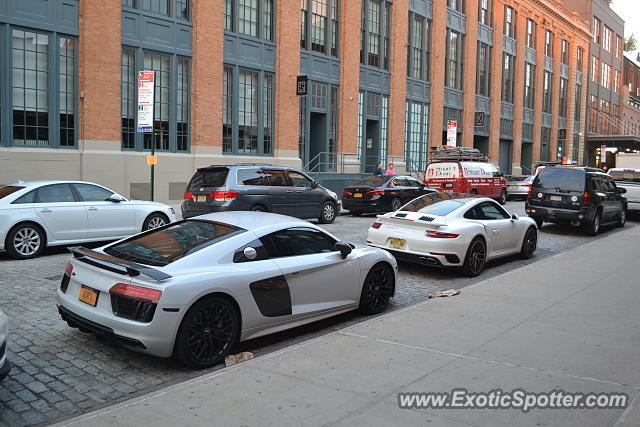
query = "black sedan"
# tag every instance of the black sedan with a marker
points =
(381, 194)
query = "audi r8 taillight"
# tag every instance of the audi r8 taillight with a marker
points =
(440, 235)
(64, 284)
(134, 302)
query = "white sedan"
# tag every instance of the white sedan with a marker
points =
(37, 214)
(195, 288)
(452, 230)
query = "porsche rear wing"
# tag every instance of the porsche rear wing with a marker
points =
(111, 263)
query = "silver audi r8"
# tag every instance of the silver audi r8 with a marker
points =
(194, 288)
(454, 230)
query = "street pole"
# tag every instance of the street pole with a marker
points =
(153, 141)
(153, 153)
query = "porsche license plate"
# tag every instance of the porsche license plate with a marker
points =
(88, 295)
(556, 198)
(357, 194)
(201, 198)
(397, 243)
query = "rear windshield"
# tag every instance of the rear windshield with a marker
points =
(518, 178)
(370, 181)
(208, 178)
(9, 189)
(170, 243)
(554, 178)
(434, 203)
(628, 175)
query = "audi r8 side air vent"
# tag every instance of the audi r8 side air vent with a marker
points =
(426, 218)
(132, 309)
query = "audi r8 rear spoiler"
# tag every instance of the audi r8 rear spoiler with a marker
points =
(111, 263)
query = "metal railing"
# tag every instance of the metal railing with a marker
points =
(327, 162)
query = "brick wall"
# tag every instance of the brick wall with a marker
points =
(207, 68)
(99, 70)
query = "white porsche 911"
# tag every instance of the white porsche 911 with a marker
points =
(453, 230)
(194, 288)
(37, 214)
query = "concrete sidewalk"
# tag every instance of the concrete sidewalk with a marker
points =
(570, 321)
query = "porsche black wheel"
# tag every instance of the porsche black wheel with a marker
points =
(476, 258)
(529, 243)
(208, 332)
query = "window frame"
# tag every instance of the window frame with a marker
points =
(382, 59)
(54, 88)
(231, 109)
(458, 74)
(483, 73)
(531, 34)
(508, 84)
(261, 23)
(332, 27)
(510, 22)
(172, 8)
(140, 139)
(424, 50)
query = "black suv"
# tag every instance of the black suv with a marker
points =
(258, 188)
(577, 196)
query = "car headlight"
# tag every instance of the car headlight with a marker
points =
(172, 211)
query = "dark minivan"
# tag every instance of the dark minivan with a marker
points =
(264, 188)
(580, 196)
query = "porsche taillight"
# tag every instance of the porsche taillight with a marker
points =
(440, 235)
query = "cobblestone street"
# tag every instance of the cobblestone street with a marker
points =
(59, 372)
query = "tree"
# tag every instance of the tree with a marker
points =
(630, 43)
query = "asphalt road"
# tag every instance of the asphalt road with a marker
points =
(60, 372)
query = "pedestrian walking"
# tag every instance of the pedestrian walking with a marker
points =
(390, 170)
(378, 170)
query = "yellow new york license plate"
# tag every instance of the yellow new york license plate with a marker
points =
(357, 194)
(201, 198)
(88, 295)
(397, 243)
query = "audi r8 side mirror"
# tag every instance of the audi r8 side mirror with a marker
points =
(250, 253)
(343, 247)
(514, 216)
